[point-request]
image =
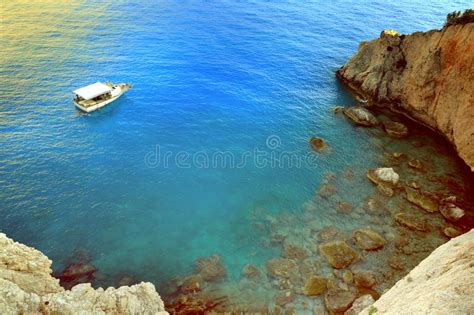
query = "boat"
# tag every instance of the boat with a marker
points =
(97, 95)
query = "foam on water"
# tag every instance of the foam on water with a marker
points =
(208, 77)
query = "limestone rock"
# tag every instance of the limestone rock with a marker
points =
(314, 285)
(368, 239)
(410, 221)
(284, 297)
(338, 254)
(364, 279)
(395, 129)
(317, 144)
(360, 304)
(452, 212)
(294, 251)
(422, 200)
(426, 75)
(191, 284)
(443, 283)
(281, 267)
(26, 287)
(250, 271)
(361, 116)
(338, 300)
(384, 176)
(452, 231)
(210, 268)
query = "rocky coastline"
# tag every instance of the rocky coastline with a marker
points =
(27, 287)
(429, 76)
(415, 207)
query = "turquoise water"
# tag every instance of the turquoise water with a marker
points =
(208, 76)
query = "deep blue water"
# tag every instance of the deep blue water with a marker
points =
(208, 76)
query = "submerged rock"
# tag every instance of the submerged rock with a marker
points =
(210, 268)
(364, 279)
(338, 300)
(360, 304)
(326, 190)
(361, 116)
(452, 212)
(343, 207)
(317, 144)
(416, 164)
(368, 239)
(284, 297)
(384, 176)
(191, 284)
(250, 271)
(281, 267)
(314, 285)
(410, 221)
(452, 231)
(338, 254)
(395, 129)
(421, 199)
(293, 251)
(75, 274)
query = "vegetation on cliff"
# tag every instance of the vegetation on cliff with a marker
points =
(458, 17)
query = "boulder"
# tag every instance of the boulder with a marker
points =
(451, 231)
(360, 304)
(210, 268)
(361, 116)
(326, 190)
(422, 199)
(281, 267)
(249, 271)
(368, 239)
(451, 212)
(364, 279)
(317, 144)
(383, 176)
(395, 129)
(343, 207)
(191, 284)
(410, 221)
(314, 285)
(284, 297)
(338, 300)
(338, 254)
(293, 251)
(416, 164)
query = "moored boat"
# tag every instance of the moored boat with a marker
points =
(97, 95)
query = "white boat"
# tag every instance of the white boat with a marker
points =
(97, 95)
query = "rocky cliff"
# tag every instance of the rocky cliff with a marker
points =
(27, 287)
(427, 75)
(443, 283)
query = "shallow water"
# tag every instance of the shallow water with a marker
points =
(244, 78)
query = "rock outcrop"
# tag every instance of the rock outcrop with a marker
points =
(443, 283)
(427, 75)
(27, 287)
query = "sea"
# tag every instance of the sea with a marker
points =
(211, 145)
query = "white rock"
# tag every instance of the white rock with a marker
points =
(387, 174)
(443, 283)
(27, 287)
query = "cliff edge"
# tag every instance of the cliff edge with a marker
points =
(427, 75)
(443, 283)
(27, 287)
